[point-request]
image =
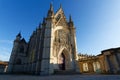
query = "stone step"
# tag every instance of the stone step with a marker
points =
(65, 72)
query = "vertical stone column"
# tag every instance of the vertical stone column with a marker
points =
(90, 67)
(46, 62)
(107, 66)
(75, 53)
(116, 63)
(46, 54)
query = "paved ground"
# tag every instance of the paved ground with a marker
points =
(60, 77)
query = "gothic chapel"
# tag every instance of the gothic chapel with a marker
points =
(51, 47)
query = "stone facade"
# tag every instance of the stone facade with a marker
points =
(52, 47)
(89, 64)
(106, 62)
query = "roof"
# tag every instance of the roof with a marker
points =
(111, 49)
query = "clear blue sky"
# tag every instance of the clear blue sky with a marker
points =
(97, 22)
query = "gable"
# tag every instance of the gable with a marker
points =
(60, 18)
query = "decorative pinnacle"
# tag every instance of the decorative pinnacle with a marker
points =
(51, 7)
(70, 21)
(19, 34)
(40, 24)
(18, 37)
(50, 11)
(70, 18)
(60, 5)
(43, 20)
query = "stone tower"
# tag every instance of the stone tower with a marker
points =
(18, 55)
(52, 46)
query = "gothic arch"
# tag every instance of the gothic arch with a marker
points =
(66, 57)
(63, 49)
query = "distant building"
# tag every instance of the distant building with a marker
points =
(112, 60)
(51, 48)
(89, 63)
(3, 66)
(106, 62)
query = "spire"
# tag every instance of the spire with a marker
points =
(60, 5)
(71, 24)
(51, 7)
(19, 35)
(50, 11)
(70, 19)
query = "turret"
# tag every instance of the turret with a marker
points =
(16, 42)
(14, 52)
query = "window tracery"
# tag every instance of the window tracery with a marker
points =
(61, 36)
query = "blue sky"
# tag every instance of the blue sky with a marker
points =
(97, 22)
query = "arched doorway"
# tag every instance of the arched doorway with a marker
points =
(62, 62)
